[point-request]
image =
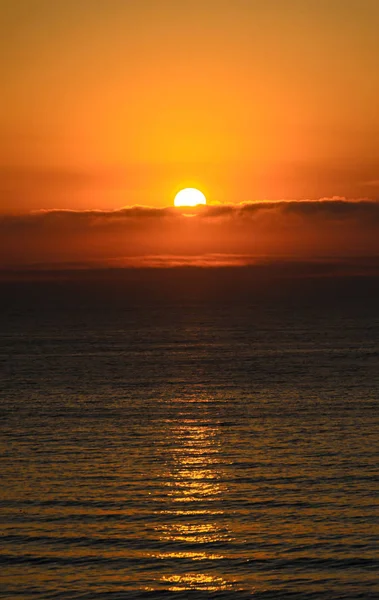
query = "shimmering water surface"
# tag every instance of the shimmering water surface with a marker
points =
(164, 440)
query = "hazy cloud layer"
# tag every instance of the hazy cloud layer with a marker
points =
(212, 234)
(332, 207)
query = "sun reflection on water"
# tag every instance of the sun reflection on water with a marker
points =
(195, 581)
(196, 484)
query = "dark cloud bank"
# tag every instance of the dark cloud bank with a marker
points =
(331, 209)
(327, 231)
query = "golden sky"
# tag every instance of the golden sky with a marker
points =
(110, 103)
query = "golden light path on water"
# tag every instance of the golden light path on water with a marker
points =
(195, 483)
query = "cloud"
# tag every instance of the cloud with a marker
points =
(336, 207)
(58, 218)
(215, 234)
(372, 183)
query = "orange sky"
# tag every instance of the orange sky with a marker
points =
(107, 103)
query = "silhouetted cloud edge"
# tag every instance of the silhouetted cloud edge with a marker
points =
(328, 208)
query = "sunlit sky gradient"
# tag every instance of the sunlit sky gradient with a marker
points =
(108, 103)
(113, 103)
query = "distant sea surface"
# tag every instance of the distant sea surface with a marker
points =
(189, 433)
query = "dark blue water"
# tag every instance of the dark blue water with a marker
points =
(189, 434)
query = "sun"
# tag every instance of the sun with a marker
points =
(189, 197)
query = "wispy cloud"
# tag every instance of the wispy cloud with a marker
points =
(372, 183)
(336, 207)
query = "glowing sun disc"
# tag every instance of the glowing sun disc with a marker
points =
(189, 197)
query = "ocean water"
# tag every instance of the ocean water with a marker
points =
(189, 434)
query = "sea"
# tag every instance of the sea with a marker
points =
(189, 433)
